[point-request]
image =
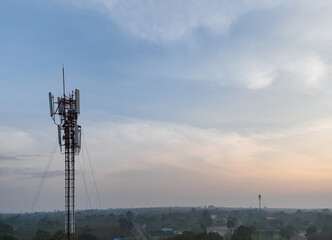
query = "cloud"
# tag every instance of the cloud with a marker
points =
(308, 22)
(21, 157)
(26, 173)
(173, 20)
(255, 71)
(310, 69)
(14, 140)
(248, 43)
(145, 163)
(140, 143)
(292, 154)
(24, 154)
(160, 163)
(8, 157)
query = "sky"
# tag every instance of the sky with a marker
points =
(183, 103)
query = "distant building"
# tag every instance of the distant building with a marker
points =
(164, 230)
(274, 222)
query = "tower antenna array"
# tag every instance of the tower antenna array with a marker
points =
(64, 113)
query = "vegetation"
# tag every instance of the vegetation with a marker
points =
(201, 236)
(242, 233)
(207, 223)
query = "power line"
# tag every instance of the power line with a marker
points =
(85, 185)
(43, 178)
(93, 175)
(84, 171)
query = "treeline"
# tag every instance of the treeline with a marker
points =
(90, 225)
(172, 223)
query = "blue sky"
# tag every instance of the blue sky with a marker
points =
(183, 102)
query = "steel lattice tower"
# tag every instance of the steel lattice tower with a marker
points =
(67, 108)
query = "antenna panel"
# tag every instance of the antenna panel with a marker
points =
(61, 108)
(76, 135)
(59, 135)
(50, 97)
(77, 101)
(79, 138)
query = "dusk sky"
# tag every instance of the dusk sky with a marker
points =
(183, 102)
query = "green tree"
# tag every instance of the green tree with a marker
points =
(269, 232)
(258, 238)
(201, 236)
(231, 223)
(311, 230)
(215, 236)
(205, 236)
(87, 236)
(5, 229)
(42, 235)
(45, 223)
(196, 228)
(7, 237)
(205, 219)
(58, 235)
(242, 233)
(126, 225)
(287, 232)
(184, 236)
(252, 229)
(129, 216)
(86, 229)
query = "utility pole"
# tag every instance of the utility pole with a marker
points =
(260, 209)
(64, 113)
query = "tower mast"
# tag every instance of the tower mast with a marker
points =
(260, 208)
(67, 109)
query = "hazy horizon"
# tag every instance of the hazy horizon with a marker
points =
(183, 103)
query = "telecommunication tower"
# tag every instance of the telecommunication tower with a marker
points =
(64, 112)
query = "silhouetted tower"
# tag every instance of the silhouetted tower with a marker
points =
(260, 209)
(67, 109)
